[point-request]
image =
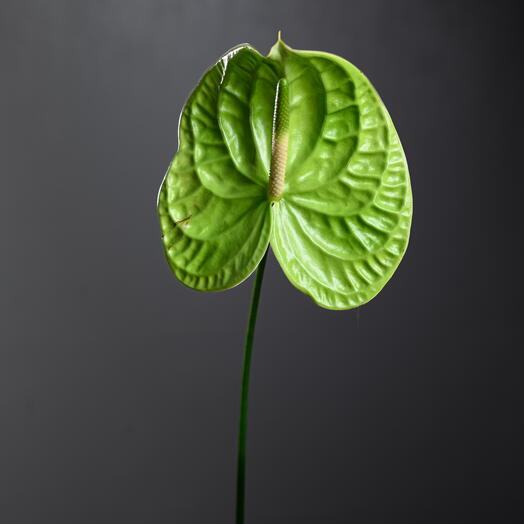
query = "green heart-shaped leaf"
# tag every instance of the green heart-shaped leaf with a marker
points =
(295, 149)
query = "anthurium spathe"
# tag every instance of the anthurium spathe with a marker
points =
(295, 150)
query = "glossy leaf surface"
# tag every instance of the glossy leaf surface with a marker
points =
(295, 149)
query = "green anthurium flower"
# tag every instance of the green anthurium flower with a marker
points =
(294, 150)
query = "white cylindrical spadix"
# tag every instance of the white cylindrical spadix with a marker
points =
(277, 171)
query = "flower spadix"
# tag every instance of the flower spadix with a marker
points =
(296, 150)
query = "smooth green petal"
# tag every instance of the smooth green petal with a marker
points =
(245, 104)
(323, 118)
(213, 206)
(342, 225)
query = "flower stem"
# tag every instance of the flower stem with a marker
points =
(242, 428)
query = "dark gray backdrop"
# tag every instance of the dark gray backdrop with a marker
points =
(119, 387)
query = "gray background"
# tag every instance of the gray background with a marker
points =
(119, 387)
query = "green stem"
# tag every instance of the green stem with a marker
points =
(242, 428)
